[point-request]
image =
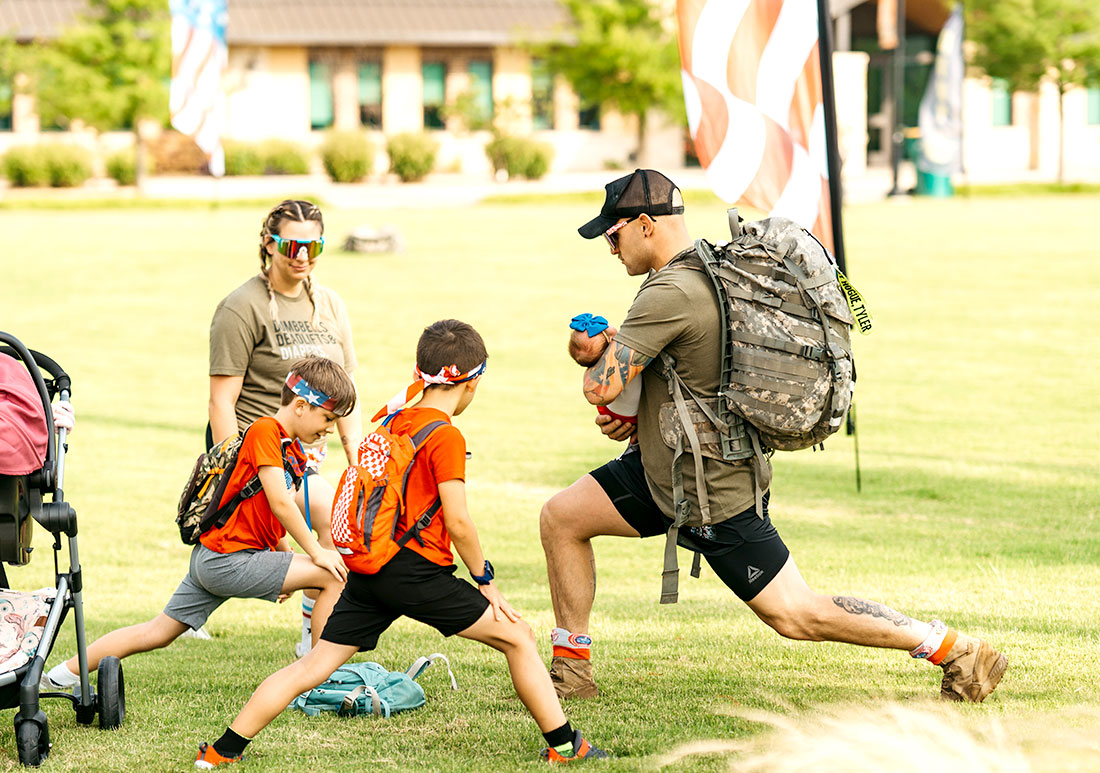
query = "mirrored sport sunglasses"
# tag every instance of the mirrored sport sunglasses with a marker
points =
(292, 248)
(611, 233)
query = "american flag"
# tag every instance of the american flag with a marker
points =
(752, 85)
(198, 59)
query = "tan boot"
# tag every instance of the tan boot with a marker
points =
(572, 678)
(971, 670)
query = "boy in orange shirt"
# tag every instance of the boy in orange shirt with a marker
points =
(419, 580)
(250, 556)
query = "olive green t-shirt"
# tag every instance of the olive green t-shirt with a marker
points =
(676, 311)
(246, 341)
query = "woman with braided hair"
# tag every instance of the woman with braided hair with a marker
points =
(259, 329)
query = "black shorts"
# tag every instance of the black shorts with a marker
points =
(408, 585)
(745, 551)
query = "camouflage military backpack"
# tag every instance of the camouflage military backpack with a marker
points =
(787, 367)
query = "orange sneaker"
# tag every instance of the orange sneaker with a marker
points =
(582, 750)
(208, 757)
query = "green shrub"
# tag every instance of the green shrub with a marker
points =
(26, 166)
(412, 155)
(62, 166)
(519, 156)
(347, 156)
(243, 158)
(122, 166)
(70, 166)
(283, 157)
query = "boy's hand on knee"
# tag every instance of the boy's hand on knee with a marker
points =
(498, 603)
(331, 562)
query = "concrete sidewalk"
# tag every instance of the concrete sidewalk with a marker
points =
(438, 190)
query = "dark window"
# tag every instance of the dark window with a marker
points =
(481, 87)
(589, 118)
(542, 96)
(434, 76)
(320, 95)
(370, 94)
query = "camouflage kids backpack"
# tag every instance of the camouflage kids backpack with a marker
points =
(198, 511)
(370, 501)
(787, 368)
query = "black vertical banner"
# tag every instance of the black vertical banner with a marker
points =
(832, 146)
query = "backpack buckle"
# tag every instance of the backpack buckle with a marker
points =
(683, 510)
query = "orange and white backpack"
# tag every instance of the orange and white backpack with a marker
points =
(370, 503)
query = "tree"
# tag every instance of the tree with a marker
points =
(1028, 41)
(109, 69)
(620, 53)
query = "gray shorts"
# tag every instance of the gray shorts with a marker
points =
(215, 577)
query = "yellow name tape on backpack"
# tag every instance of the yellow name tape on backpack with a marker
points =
(855, 303)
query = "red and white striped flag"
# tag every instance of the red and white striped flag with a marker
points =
(752, 84)
(199, 56)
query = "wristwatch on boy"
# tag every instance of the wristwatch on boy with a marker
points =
(486, 577)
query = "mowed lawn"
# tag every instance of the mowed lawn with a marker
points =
(978, 405)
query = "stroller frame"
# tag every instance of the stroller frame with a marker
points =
(57, 517)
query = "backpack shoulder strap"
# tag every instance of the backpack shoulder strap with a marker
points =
(418, 440)
(420, 664)
(220, 515)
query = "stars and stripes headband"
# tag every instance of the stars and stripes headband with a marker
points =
(449, 374)
(311, 395)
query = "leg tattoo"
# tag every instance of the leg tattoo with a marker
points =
(854, 606)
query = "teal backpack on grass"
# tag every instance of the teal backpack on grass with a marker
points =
(355, 689)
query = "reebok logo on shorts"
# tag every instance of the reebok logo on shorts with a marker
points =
(754, 573)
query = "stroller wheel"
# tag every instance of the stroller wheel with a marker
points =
(33, 740)
(111, 693)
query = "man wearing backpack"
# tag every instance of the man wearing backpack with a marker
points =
(675, 313)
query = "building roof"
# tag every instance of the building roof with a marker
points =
(377, 22)
(334, 22)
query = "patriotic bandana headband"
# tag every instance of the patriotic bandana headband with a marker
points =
(449, 374)
(301, 387)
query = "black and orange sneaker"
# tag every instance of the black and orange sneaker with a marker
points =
(209, 758)
(582, 750)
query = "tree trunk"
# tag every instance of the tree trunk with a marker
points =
(641, 153)
(1061, 133)
(139, 163)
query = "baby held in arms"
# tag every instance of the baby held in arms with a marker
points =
(589, 339)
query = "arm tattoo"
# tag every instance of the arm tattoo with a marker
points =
(854, 606)
(604, 381)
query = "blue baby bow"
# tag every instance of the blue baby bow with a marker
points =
(593, 324)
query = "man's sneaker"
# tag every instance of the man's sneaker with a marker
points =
(582, 750)
(971, 670)
(209, 758)
(572, 678)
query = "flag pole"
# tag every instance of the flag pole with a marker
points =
(832, 145)
(832, 148)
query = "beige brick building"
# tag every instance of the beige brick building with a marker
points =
(298, 69)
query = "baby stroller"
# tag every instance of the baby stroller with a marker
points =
(32, 466)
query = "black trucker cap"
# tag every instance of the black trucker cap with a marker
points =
(643, 191)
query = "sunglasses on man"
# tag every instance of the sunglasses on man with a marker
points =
(292, 248)
(611, 233)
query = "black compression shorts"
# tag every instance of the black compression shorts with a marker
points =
(408, 585)
(745, 551)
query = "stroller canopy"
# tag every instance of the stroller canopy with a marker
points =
(24, 432)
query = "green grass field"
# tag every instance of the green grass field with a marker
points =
(978, 405)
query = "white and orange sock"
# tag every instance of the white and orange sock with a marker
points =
(939, 642)
(307, 621)
(571, 645)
